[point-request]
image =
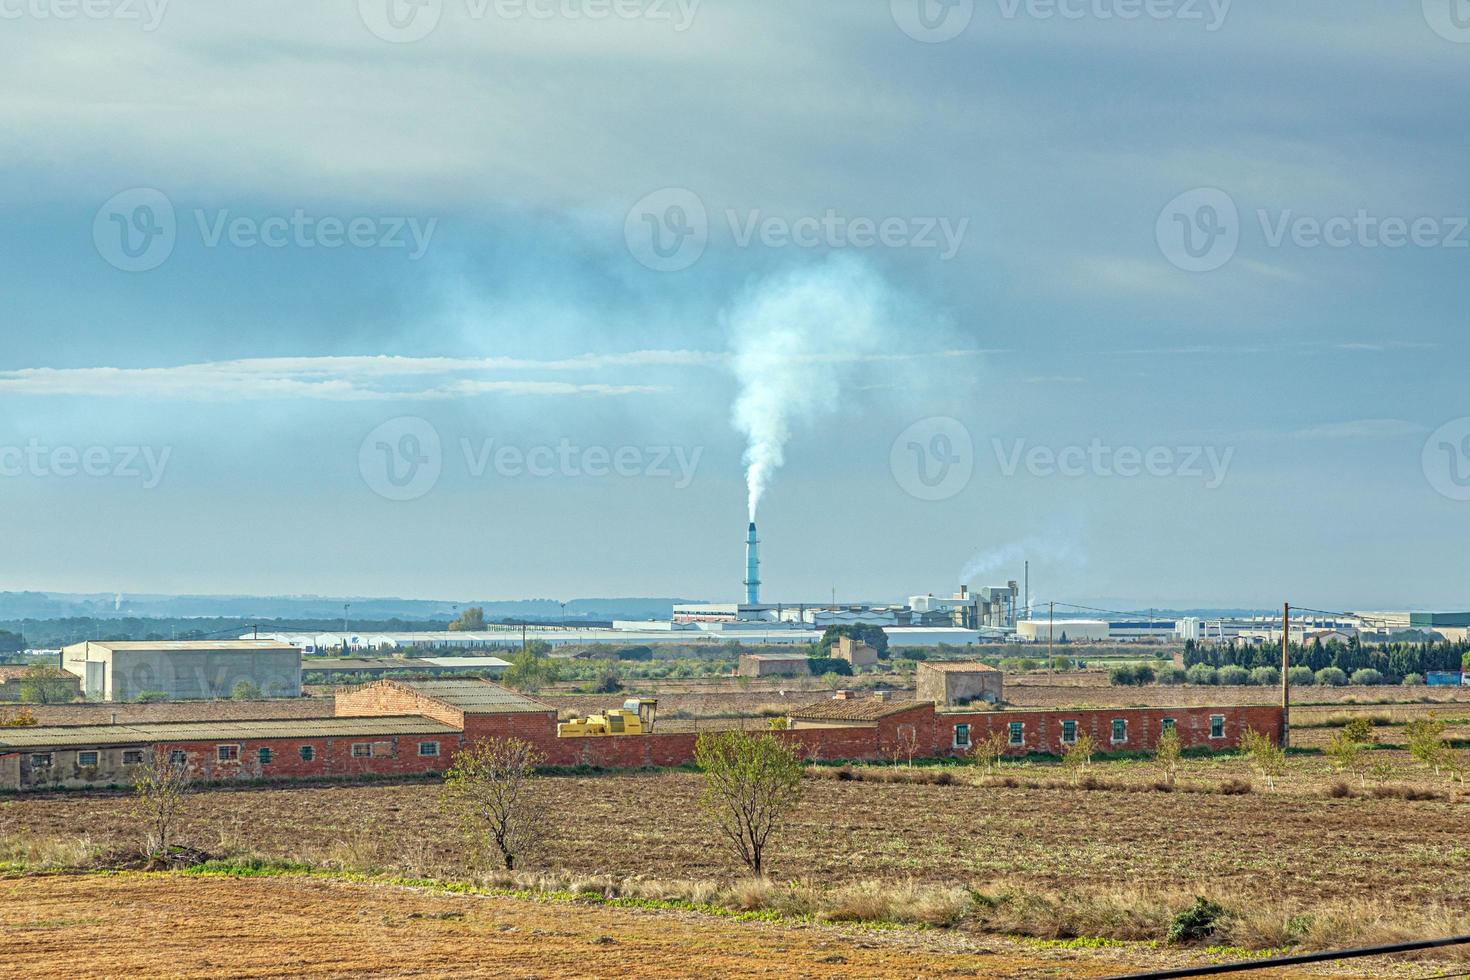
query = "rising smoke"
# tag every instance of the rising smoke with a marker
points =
(795, 339)
(1053, 549)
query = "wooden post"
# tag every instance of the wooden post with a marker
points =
(1051, 619)
(1286, 675)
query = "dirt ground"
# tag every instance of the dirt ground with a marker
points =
(154, 925)
(1296, 845)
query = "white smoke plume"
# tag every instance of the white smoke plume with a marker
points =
(1049, 549)
(783, 338)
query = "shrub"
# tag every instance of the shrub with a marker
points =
(1301, 676)
(1360, 730)
(1143, 674)
(1266, 676)
(828, 665)
(1202, 674)
(1413, 680)
(1196, 922)
(1367, 676)
(1172, 676)
(1331, 677)
(1234, 676)
(1122, 676)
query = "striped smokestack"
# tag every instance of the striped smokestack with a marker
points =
(752, 567)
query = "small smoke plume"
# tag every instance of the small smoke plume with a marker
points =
(794, 340)
(1050, 549)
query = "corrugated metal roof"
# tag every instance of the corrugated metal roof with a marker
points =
(150, 734)
(475, 697)
(858, 709)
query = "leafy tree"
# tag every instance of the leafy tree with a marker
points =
(491, 792)
(1267, 758)
(1331, 677)
(1367, 676)
(829, 665)
(1172, 676)
(751, 783)
(1426, 741)
(1345, 751)
(1202, 674)
(1301, 676)
(1360, 730)
(472, 620)
(161, 788)
(531, 669)
(989, 751)
(1168, 755)
(1078, 756)
(245, 691)
(47, 685)
(20, 718)
(11, 642)
(1122, 676)
(868, 633)
(1234, 676)
(1265, 676)
(1143, 674)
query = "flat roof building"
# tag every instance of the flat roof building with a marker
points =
(183, 669)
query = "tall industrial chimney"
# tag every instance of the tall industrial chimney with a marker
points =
(752, 567)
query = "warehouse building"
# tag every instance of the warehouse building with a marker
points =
(183, 669)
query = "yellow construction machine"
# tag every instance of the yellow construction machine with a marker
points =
(635, 717)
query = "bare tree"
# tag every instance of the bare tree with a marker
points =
(1168, 754)
(491, 791)
(1268, 758)
(161, 787)
(751, 783)
(989, 750)
(1078, 756)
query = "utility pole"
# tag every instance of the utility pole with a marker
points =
(1028, 588)
(1286, 675)
(1051, 620)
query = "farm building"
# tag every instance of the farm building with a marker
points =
(182, 669)
(396, 728)
(958, 683)
(855, 652)
(12, 676)
(773, 665)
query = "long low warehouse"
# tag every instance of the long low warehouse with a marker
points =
(404, 727)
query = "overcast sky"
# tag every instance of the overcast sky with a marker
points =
(459, 299)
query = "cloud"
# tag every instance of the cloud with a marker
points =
(1361, 429)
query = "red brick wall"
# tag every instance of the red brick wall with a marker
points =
(333, 757)
(1043, 729)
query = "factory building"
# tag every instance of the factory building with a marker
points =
(183, 669)
(1072, 630)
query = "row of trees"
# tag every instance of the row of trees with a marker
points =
(1393, 660)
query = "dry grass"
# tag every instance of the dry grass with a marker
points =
(31, 852)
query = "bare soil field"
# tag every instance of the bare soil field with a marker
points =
(1296, 844)
(151, 925)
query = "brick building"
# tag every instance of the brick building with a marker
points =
(409, 727)
(951, 683)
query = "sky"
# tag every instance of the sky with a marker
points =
(530, 298)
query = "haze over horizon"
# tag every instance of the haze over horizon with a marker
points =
(522, 335)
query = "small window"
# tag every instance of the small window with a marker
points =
(227, 753)
(86, 759)
(41, 760)
(1120, 729)
(1018, 733)
(962, 736)
(1069, 732)
(132, 757)
(1169, 725)
(1217, 726)
(265, 756)
(428, 748)
(178, 757)
(362, 750)
(307, 753)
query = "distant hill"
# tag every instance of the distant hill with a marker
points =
(16, 606)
